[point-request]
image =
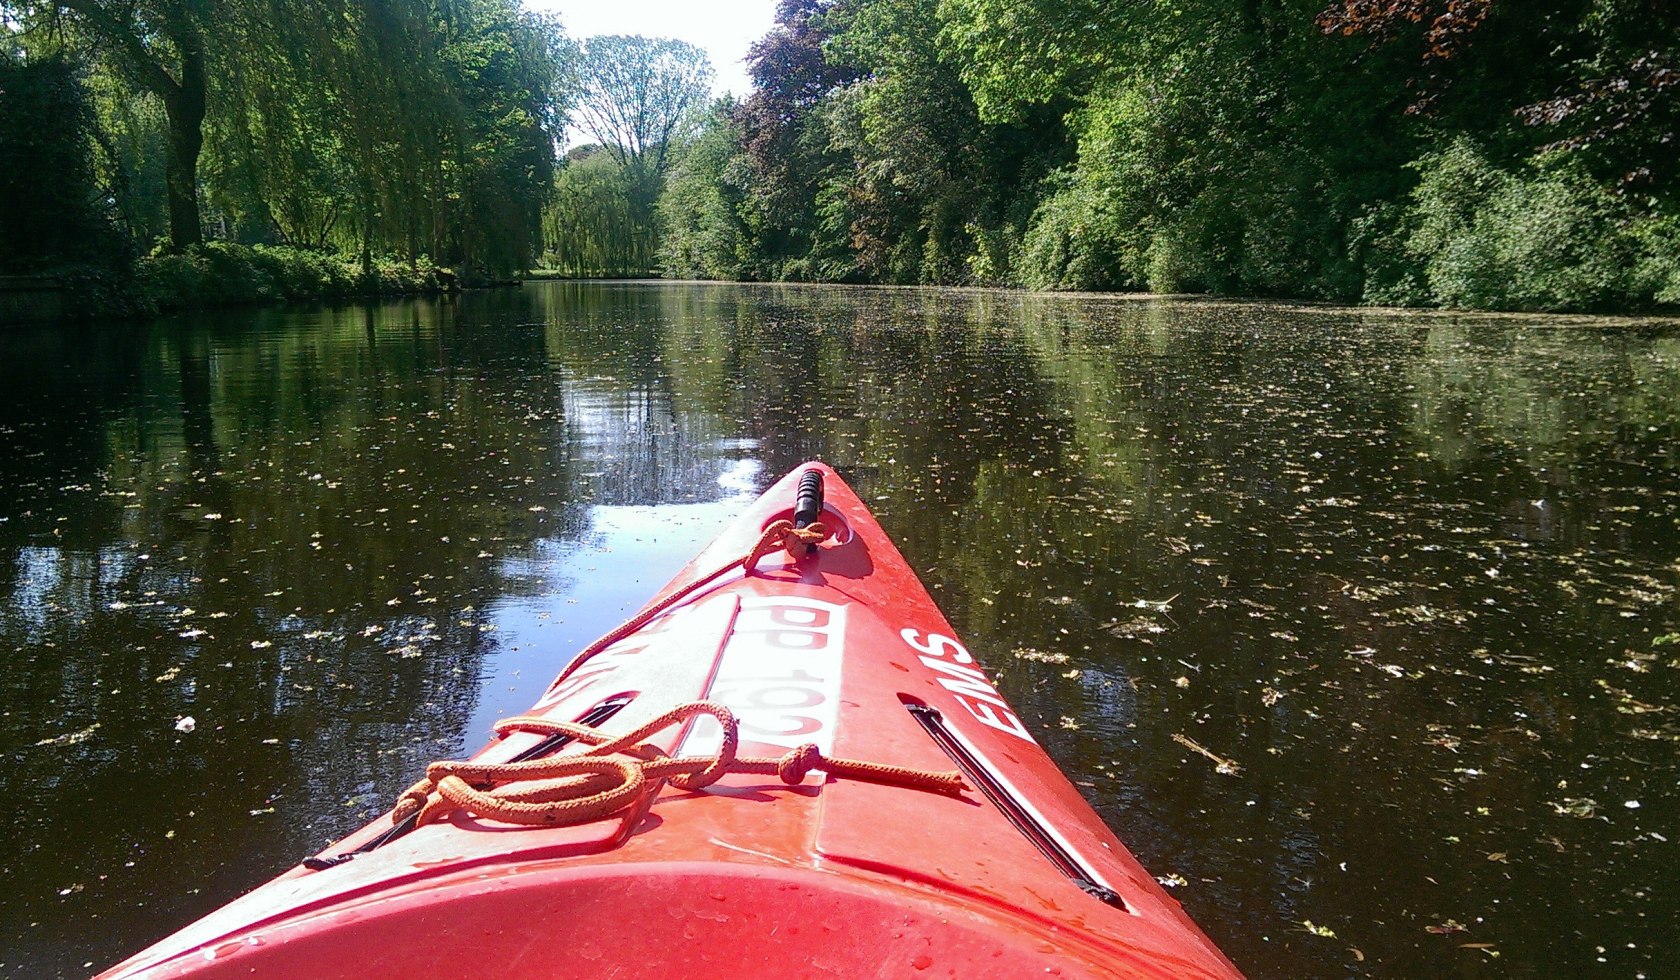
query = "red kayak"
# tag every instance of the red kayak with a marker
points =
(785, 765)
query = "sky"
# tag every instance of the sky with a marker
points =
(725, 28)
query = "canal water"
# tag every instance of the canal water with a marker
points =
(1359, 627)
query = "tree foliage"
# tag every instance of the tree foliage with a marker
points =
(47, 126)
(593, 226)
(795, 226)
(704, 234)
(1310, 148)
(421, 127)
(163, 48)
(642, 99)
(1290, 148)
(641, 96)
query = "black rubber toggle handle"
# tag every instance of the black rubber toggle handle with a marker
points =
(808, 503)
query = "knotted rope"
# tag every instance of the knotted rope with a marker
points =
(617, 772)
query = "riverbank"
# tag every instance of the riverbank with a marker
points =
(212, 275)
(566, 275)
(225, 274)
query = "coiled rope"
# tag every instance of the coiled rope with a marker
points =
(617, 772)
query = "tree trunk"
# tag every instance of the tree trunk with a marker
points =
(185, 105)
(185, 99)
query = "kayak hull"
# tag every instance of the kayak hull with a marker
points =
(660, 920)
(840, 648)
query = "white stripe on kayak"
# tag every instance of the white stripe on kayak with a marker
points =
(779, 674)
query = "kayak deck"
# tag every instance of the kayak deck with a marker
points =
(841, 649)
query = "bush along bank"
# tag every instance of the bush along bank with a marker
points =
(223, 273)
(229, 274)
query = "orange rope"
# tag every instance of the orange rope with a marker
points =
(616, 772)
(779, 534)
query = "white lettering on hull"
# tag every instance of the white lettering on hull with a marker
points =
(966, 683)
(779, 674)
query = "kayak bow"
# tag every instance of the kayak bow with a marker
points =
(786, 765)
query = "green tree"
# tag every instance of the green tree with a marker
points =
(589, 227)
(510, 72)
(132, 135)
(1220, 147)
(933, 187)
(797, 226)
(641, 99)
(424, 126)
(700, 210)
(47, 127)
(642, 96)
(166, 48)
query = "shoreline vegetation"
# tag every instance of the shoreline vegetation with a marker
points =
(212, 275)
(1456, 154)
(1441, 154)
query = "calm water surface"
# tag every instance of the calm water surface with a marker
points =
(1360, 628)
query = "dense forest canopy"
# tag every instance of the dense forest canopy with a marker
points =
(1471, 153)
(407, 127)
(1462, 153)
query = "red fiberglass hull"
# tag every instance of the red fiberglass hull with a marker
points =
(841, 648)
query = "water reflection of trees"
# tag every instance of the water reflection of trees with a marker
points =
(1359, 555)
(629, 357)
(1395, 556)
(287, 528)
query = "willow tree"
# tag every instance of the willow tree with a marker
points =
(420, 127)
(162, 47)
(425, 126)
(329, 130)
(184, 52)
